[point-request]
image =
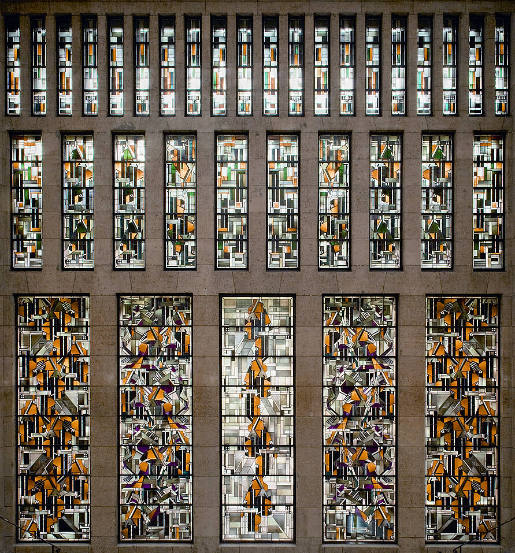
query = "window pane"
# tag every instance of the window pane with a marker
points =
(372, 65)
(502, 65)
(142, 65)
(321, 90)
(476, 65)
(296, 66)
(90, 65)
(193, 66)
(270, 65)
(424, 64)
(64, 65)
(245, 65)
(450, 69)
(167, 61)
(116, 65)
(13, 65)
(38, 65)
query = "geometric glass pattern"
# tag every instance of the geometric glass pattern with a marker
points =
(115, 26)
(462, 419)
(167, 64)
(219, 65)
(129, 201)
(52, 358)
(321, 65)
(38, 65)
(270, 65)
(13, 65)
(437, 207)
(372, 65)
(359, 418)
(334, 201)
(488, 201)
(231, 202)
(64, 65)
(296, 66)
(142, 65)
(193, 65)
(258, 427)
(424, 64)
(155, 431)
(244, 64)
(283, 201)
(90, 65)
(78, 202)
(347, 64)
(502, 64)
(476, 65)
(399, 31)
(385, 201)
(26, 201)
(181, 202)
(450, 68)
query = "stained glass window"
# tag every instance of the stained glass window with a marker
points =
(39, 83)
(78, 202)
(437, 201)
(502, 64)
(347, 64)
(296, 66)
(450, 64)
(270, 65)
(385, 201)
(142, 65)
(283, 201)
(258, 426)
(321, 65)
(462, 419)
(53, 427)
(129, 201)
(193, 66)
(13, 65)
(64, 65)
(90, 65)
(488, 201)
(27, 201)
(245, 62)
(399, 32)
(359, 414)
(424, 64)
(167, 64)
(476, 65)
(372, 65)
(334, 201)
(155, 432)
(219, 65)
(232, 202)
(115, 24)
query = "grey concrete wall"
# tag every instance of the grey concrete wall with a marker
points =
(205, 283)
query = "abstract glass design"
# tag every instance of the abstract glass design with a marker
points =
(502, 64)
(282, 201)
(219, 65)
(258, 426)
(399, 24)
(129, 201)
(385, 201)
(27, 201)
(270, 65)
(64, 65)
(437, 204)
(462, 419)
(181, 202)
(142, 65)
(232, 202)
(347, 64)
(424, 64)
(476, 65)
(359, 418)
(78, 202)
(334, 201)
(38, 65)
(90, 65)
(488, 201)
(167, 64)
(245, 62)
(155, 352)
(115, 24)
(193, 66)
(296, 66)
(321, 65)
(450, 61)
(52, 358)
(13, 65)
(372, 65)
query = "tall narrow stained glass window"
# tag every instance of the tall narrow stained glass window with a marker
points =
(181, 201)
(245, 63)
(52, 360)
(359, 418)
(437, 201)
(115, 24)
(39, 82)
(167, 64)
(129, 201)
(64, 65)
(232, 211)
(450, 64)
(283, 201)
(334, 201)
(78, 202)
(502, 64)
(270, 65)
(193, 65)
(155, 406)
(321, 65)
(347, 64)
(13, 65)
(90, 65)
(372, 65)
(142, 65)
(424, 64)
(219, 65)
(462, 419)
(258, 426)
(488, 201)
(296, 65)
(385, 201)
(26, 201)
(399, 36)
(476, 65)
